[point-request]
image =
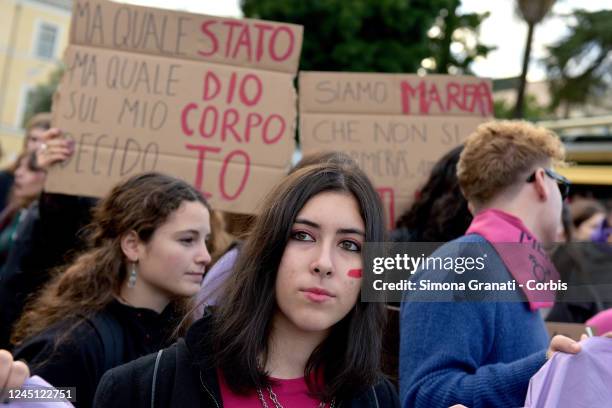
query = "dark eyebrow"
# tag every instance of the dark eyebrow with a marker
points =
(351, 231)
(340, 231)
(307, 222)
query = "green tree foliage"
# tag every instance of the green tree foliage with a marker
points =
(356, 35)
(580, 66)
(532, 110)
(462, 32)
(41, 97)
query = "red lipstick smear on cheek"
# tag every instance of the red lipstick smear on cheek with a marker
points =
(355, 273)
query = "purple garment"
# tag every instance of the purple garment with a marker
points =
(602, 232)
(214, 280)
(575, 380)
(36, 382)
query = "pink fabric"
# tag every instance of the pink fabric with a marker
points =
(502, 229)
(602, 322)
(290, 393)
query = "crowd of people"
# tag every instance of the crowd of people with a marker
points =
(150, 297)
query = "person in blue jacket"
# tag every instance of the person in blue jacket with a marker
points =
(458, 350)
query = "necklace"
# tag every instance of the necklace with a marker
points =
(274, 399)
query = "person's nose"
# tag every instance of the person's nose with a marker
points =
(203, 256)
(323, 264)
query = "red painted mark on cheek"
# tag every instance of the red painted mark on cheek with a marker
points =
(355, 273)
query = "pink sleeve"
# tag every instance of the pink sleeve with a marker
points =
(602, 322)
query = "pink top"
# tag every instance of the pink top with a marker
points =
(602, 322)
(290, 393)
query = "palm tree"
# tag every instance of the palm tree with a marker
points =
(533, 12)
(579, 66)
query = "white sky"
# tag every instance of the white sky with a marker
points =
(503, 28)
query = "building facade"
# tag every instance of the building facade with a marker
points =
(33, 36)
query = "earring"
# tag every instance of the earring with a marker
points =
(132, 278)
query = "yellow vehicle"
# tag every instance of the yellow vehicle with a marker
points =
(588, 143)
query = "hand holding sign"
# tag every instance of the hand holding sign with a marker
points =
(53, 149)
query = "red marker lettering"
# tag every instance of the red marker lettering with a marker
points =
(258, 90)
(245, 175)
(186, 129)
(231, 24)
(244, 40)
(212, 36)
(273, 54)
(199, 178)
(210, 115)
(230, 119)
(212, 86)
(262, 28)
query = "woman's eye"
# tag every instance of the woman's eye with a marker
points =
(187, 241)
(350, 246)
(301, 236)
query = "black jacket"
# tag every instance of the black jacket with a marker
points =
(49, 237)
(587, 269)
(82, 359)
(186, 377)
(6, 182)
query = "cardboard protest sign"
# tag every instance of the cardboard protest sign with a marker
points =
(396, 126)
(207, 99)
(571, 330)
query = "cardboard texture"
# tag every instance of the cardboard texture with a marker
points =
(178, 35)
(224, 123)
(572, 330)
(396, 126)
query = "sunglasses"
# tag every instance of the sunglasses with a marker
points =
(563, 183)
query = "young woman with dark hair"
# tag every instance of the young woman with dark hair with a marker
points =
(216, 277)
(291, 331)
(125, 296)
